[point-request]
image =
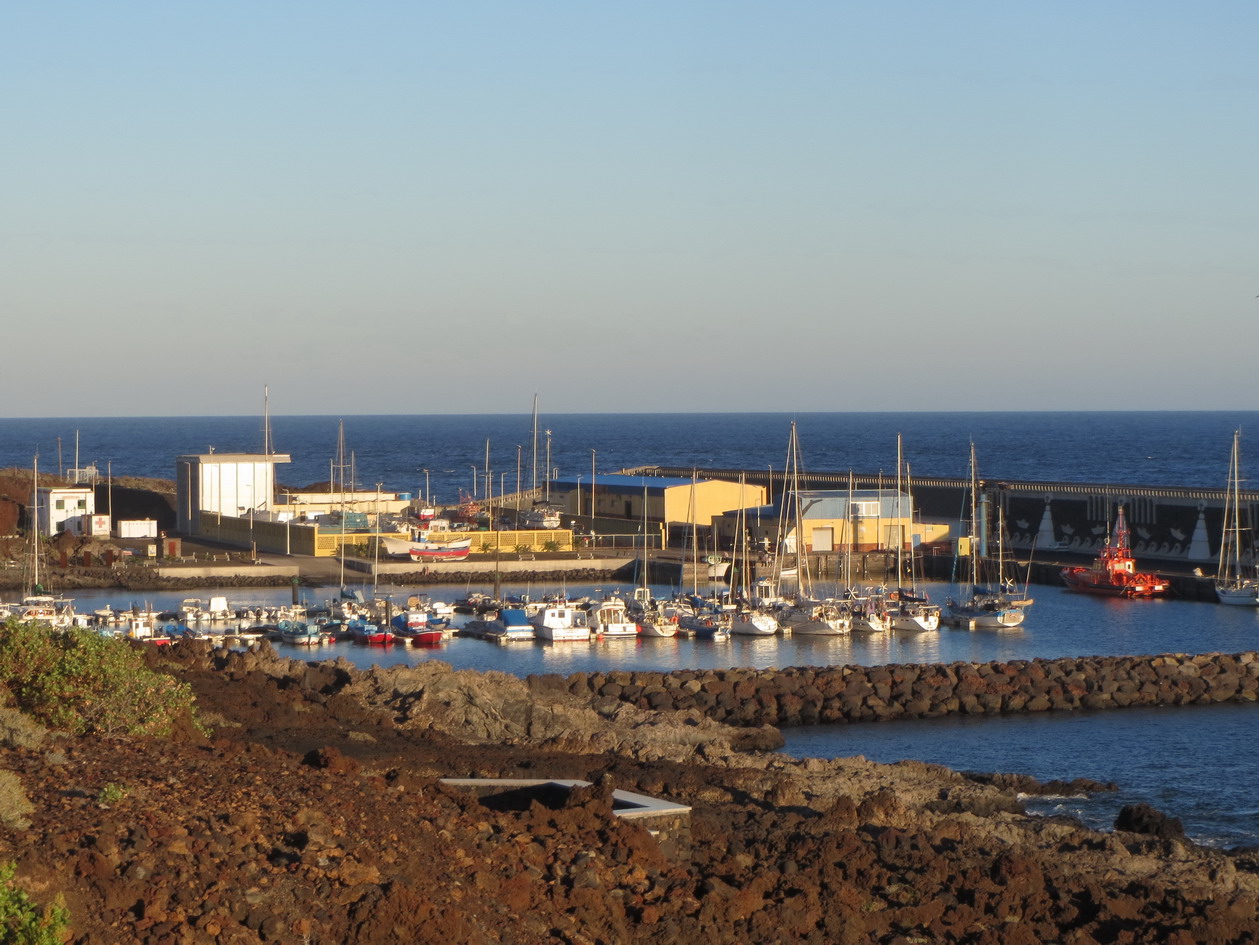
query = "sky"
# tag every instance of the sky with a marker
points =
(415, 207)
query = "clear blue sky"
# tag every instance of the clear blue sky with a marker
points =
(447, 207)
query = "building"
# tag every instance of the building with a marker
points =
(228, 484)
(68, 509)
(656, 499)
(835, 521)
(311, 506)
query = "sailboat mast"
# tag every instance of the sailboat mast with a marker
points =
(535, 442)
(900, 514)
(802, 558)
(850, 528)
(694, 516)
(974, 520)
(35, 524)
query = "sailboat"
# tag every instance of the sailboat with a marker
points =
(1235, 584)
(980, 607)
(748, 619)
(866, 607)
(907, 609)
(804, 613)
(697, 616)
(36, 606)
(643, 609)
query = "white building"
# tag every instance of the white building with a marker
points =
(231, 484)
(67, 509)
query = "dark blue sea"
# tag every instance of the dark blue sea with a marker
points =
(1198, 764)
(1178, 449)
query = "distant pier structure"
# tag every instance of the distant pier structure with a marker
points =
(1172, 526)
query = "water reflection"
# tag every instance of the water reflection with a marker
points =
(1059, 624)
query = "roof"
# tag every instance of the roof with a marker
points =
(833, 503)
(619, 482)
(207, 459)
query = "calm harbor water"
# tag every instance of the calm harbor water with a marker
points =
(1197, 764)
(1194, 763)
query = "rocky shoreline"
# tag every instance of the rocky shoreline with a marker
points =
(809, 695)
(314, 812)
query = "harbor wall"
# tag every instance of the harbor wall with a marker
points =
(810, 695)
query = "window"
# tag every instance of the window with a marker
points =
(61, 504)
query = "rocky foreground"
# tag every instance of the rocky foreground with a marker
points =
(313, 813)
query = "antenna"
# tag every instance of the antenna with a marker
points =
(266, 420)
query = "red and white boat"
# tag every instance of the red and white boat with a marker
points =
(454, 549)
(412, 626)
(1114, 571)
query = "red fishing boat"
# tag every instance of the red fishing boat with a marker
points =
(1114, 571)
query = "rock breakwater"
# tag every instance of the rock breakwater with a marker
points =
(810, 695)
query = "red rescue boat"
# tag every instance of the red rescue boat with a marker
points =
(1114, 571)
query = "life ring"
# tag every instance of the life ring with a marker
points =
(673, 619)
(708, 623)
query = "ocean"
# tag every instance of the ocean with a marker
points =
(1196, 763)
(1154, 448)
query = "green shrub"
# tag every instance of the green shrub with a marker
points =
(82, 682)
(22, 922)
(111, 794)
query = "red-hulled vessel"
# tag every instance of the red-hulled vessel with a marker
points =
(1114, 571)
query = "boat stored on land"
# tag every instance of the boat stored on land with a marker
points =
(455, 549)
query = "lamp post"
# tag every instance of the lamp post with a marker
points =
(519, 447)
(592, 484)
(473, 468)
(427, 497)
(578, 504)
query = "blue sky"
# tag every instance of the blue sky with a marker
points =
(445, 208)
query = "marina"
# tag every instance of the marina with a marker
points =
(1186, 459)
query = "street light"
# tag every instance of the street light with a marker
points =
(535, 467)
(592, 483)
(578, 505)
(473, 468)
(427, 497)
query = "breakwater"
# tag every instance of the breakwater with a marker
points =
(810, 695)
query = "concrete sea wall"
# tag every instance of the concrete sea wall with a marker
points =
(810, 695)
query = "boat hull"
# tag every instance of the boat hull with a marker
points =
(1092, 581)
(1239, 595)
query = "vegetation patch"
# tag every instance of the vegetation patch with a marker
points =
(24, 922)
(83, 683)
(15, 806)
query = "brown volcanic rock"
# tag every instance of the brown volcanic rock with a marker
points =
(314, 815)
